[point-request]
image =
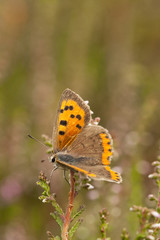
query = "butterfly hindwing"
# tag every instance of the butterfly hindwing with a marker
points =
(91, 153)
(94, 141)
(72, 115)
(97, 172)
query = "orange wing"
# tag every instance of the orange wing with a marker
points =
(72, 116)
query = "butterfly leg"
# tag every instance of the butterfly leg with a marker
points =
(66, 177)
(54, 169)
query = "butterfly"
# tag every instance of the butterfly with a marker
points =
(80, 145)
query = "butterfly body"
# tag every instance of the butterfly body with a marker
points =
(79, 144)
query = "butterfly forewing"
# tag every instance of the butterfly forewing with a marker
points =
(72, 115)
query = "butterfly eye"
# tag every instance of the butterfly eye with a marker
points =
(53, 159)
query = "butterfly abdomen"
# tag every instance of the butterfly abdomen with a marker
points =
(62, 157)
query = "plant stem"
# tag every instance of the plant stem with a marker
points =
(67, 218)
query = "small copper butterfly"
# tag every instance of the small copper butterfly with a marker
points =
(79, 144)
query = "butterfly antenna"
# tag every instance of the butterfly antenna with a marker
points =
(36, 140)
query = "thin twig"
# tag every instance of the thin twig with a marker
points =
(67, 217)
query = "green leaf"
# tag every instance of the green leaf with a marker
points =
(57, 207)
(58, 219)
(45, 186)
(47, 141)
(141, 237)
(74, 228)
(124, 235)
(57, 238)
(78, 213)
(50, 150)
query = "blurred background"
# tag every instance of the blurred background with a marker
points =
(109, 53)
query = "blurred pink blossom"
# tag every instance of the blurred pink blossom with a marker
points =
(10, 189)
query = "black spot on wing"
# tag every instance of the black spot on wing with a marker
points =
(78, 117)
(66, 108)
(78, 126)
(72, 116)
(61, 132)
(71, 107)
(63, 122)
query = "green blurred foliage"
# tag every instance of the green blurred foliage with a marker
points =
(109, 53)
